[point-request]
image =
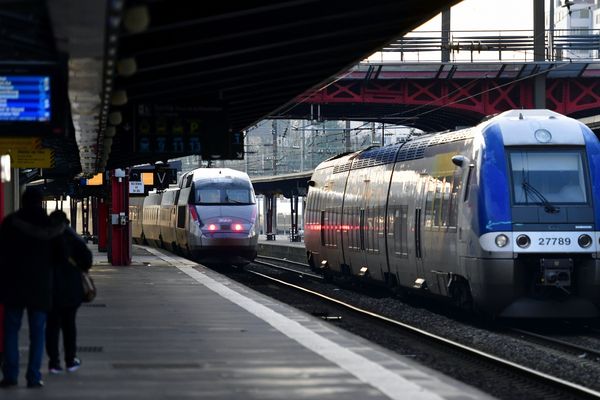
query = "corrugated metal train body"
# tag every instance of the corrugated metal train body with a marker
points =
(447, 215)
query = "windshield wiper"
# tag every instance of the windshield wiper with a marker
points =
(548, 207)
(232, 201)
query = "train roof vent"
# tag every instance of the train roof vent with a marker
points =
(342, 168)
(451, 137)
(412, 150)
(375, 156)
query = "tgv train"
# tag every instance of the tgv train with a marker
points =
(503, 217)
(210, 216)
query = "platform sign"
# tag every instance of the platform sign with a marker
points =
(19, 143)
(40, 158)
(25, 98)
(136, 187)
(170, 131)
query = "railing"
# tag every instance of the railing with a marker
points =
(559, 44)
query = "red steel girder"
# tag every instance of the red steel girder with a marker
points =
(483, 96)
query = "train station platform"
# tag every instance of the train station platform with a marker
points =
(282, 247)
(167, 328)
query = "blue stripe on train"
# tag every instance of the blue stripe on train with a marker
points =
(592, 146)
(493, 197)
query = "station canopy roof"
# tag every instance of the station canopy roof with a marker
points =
(149, 80)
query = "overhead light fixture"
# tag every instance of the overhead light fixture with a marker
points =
(115, 118)
(137, 19)
(110, 132)
(119, 98)
(127, 66)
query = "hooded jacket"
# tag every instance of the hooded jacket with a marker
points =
(29, 249)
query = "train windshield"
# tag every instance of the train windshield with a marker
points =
(230, 193)
(548, 177)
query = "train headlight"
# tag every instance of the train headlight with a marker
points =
(523, 241)
(584, 241)
(501, 240)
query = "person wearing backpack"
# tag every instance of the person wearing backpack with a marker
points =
(68, 296)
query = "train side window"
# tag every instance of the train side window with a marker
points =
(351, 215)
(446, 202)
(452, 206)
(188, 181)
(335, 226)
(322, 228)
(371, 214)
(181, 216)
(400, 231)
(430, 193)
(437, 202)
(468, 184)
(361, 224)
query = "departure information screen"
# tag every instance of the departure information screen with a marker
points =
(25, 98)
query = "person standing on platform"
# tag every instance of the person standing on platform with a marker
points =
(29, 246)
(68, 296)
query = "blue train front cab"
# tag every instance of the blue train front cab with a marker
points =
(529, 239)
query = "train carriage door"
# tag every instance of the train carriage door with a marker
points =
(183, 222)
(420, 222)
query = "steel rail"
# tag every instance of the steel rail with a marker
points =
(572, 347)
(546, 378)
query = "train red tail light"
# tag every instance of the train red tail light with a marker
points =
(237, 227)
(212, 227)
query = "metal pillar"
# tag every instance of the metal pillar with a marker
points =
(446, 34)
(73, 212)
(85, 217)
(539, 53)
(551, 32)
(347, 144)
(102, 224)
(119, 219)
(294, 237)
(275, 155)
(269, 212)
(95, 219)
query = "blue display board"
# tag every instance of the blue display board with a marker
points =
(25, 98)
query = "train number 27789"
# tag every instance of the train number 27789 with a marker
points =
(553, 241)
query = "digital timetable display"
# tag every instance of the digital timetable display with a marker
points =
(25, 98)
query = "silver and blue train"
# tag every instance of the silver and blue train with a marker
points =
(210, 216)
(503, 217)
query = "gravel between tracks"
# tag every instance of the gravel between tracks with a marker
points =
(472, 332)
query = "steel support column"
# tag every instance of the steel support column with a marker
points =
(85, 217)
(270, 208)
(446, 34)
(102, 224)
(95, 219)
(119, 219)
(294, 237)
(73, 212)
(539, 52)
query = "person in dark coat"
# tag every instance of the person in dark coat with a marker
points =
(28, 249)
(68, 296)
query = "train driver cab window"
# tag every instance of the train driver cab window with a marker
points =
(230, 192)
(548, 177)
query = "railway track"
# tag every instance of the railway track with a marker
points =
(559, 344)
(509, 370)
